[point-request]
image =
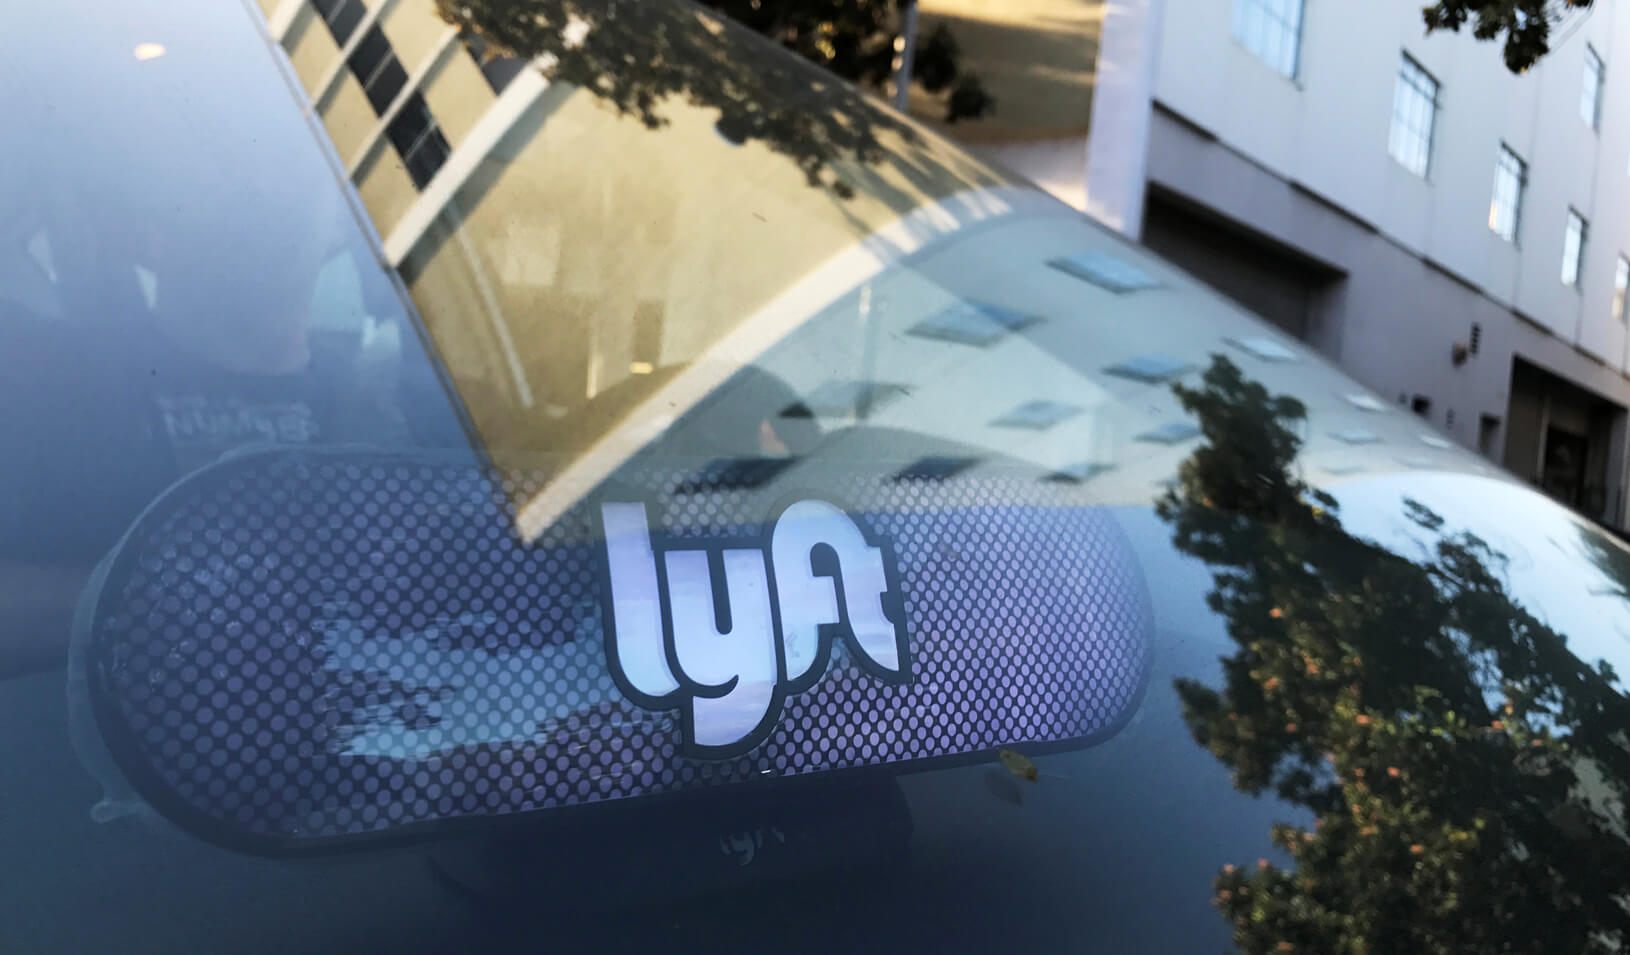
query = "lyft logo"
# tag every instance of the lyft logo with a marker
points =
(723, 632)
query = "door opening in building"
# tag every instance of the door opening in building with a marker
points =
(1488, 434)
(1558, 436)
(1280, 283)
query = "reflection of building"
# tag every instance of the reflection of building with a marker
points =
(590, 277)
(573, 259)
(1455, 236)
(379, 75)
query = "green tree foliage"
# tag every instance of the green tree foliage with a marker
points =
(1524, 26)
(1468, 775)
(1610, 557)
(636, 55)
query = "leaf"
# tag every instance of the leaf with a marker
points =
(1018, 764)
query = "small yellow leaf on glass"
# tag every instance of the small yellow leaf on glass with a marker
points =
(1018, 764)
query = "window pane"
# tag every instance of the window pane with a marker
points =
(342, 16)
(1505, 207)
(1271, 30)
(1395, 140)
(1413, 106)
(376, 66)
(1573, 243)
(1591, 88)
(418, 140)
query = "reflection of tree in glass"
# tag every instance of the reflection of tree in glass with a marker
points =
(1467, 773)
(636, 55)
(859, 41)
(1611, 558)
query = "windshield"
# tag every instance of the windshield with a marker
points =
(582, 308)
(494, 475)
(581, 305)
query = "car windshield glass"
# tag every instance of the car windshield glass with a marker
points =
(605, 244)
(491, 475)
(634, 209)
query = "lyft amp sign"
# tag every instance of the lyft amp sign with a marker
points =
(725, 631)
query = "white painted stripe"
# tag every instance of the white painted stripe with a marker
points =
(432, 60)
(829, 282)
(493, 125)
(331, 80)
(282, 19)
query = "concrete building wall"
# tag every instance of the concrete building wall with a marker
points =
(1393, 317)
(1326, 130)
(1269, 187)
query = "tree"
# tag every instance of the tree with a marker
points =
(1525, 25)
(637, 55)
(856, 39)
(1467, 774)
(1612, 559)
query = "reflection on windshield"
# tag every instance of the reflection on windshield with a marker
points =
(638, 58)
(631, 209)
(633, 206)
(1467, 773)
(720, 291)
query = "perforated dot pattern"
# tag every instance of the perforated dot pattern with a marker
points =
(306, 647)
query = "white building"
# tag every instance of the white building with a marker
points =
(1454, 235)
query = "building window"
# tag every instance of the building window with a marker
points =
(1414, 108)
(1590, 94)
(1621, 282)
(376, 67)
(342, 17)
(1270, 29)
(1510, 175)
(1573, 248)
(419, 141)
(413, 131)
